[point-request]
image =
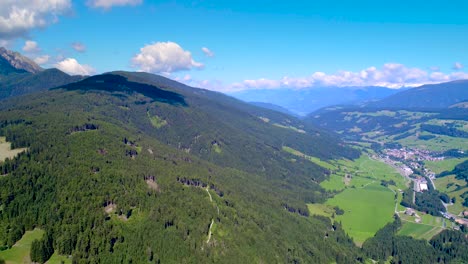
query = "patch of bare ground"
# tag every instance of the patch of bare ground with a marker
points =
(152, 184)
(347, 179)
(110, 208)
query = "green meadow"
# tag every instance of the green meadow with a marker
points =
(362, 171)
(366, 209)
(19, 253)
(419, 231)
(454, 188)
(443, 165)
(439, 143)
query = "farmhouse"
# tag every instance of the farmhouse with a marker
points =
(409, 211)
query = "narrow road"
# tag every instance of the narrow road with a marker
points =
(209, 194)
(433, 185)
(209, 231)
(212, 220)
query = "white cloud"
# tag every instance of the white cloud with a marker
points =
(207, 52)
(78, 46)
(457, 66)
(31, 46)
(164, 57)
(73, 67)
(18, 17)
(106, 4)
(392, 75)
(42, 59)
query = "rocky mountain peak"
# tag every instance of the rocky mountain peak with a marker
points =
(19, 61)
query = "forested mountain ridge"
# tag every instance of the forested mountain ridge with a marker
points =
(19, 75)
(124, 171)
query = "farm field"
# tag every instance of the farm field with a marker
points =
(362, 171)
(453, 188)
(366, 210)
(439, 143)
(443, 165)
(19, 253)
(419, 231)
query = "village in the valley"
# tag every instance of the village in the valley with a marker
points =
(409, 163)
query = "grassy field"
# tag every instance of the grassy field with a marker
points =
(321, 209)
(443, 165)
(6, 151)
(419, 231)
(362, 171)
(366, 209)
(426, 229)
(156, 121)
(19, 253)
(58, 259)
(312, 159)
(453, 188)
(439, 143)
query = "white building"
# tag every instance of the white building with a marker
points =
(423, 186)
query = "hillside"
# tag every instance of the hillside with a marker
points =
(119, 170)
(19, 75)
(430, 96)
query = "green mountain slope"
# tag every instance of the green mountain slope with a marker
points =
(119, 170)
(25, 83)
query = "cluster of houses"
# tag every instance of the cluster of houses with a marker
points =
(456, 219)
(412, 154)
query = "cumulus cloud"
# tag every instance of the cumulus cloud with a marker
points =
(18, 17)
(42, 59)
(392, 75)
(164, 57)
(457, 66)
(31, 46)
(78, 46)
(106, 4)
(207, 52)
(73, 67)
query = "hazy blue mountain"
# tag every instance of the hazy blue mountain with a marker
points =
(430, 96)
(273, 107)
(305, 101)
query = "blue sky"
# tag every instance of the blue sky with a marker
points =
(248, 44)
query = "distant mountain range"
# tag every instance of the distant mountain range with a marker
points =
(304, 101)
(430, 96)
(20, 75)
